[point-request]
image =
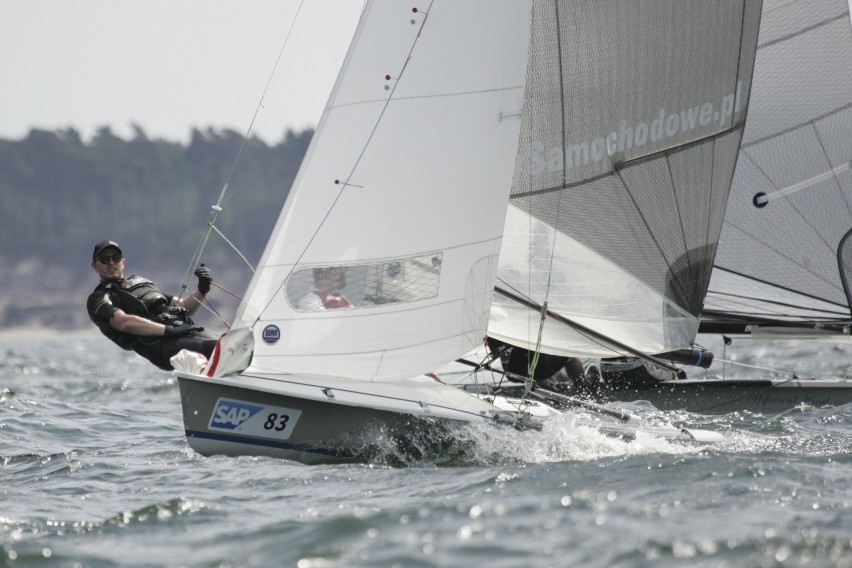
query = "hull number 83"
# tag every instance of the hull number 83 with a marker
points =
(252, 419)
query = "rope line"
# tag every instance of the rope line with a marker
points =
(216, 209)
(233, 246)
(758, 367)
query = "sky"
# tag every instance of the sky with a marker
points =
(169, 65)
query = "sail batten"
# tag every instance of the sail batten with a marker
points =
(809, 122)
(617, 166)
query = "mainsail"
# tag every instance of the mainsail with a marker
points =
(632, 122)
(785, 256)
(403, 190)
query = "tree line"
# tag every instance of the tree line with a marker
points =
(60, 194)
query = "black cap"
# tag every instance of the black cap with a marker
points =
(102, 245)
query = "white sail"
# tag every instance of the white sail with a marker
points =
(405, 187)
(631, 128)
(784, 256)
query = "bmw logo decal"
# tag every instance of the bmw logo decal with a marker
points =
(271, 334)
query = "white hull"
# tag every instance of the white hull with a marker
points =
(327, 420)
(316, 420)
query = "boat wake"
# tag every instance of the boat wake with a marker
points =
(583, 436)
(572, 436)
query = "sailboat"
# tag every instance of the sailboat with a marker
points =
(382, 265)
(784, 258)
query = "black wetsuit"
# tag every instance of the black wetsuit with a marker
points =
(516, 360)
(138, 296)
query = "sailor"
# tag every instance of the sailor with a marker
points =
(554, 372)
(136, 316)
(326, 293)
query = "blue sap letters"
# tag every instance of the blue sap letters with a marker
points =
(230, 414)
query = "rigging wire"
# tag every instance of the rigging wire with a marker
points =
(532, 356)
(217, 208)
(757, 367)
(543, 311)
(561, 196)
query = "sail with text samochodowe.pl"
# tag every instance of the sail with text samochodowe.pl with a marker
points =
(626, 159)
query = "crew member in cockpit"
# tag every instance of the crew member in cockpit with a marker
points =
(326, 293)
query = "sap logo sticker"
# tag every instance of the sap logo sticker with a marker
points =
(231, 414)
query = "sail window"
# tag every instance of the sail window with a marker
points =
(365, 285)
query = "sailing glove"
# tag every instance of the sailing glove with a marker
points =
(205, 279)
(181, 330)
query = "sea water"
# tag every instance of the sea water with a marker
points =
(96, 472)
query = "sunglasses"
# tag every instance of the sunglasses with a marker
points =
(105, 258)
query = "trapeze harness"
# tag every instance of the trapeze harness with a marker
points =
(136, 296)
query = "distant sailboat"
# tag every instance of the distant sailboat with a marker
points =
(785, 258)
(382, 264)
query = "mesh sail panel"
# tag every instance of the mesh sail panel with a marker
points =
(632, 122)
(365, 285)
(791, 200)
